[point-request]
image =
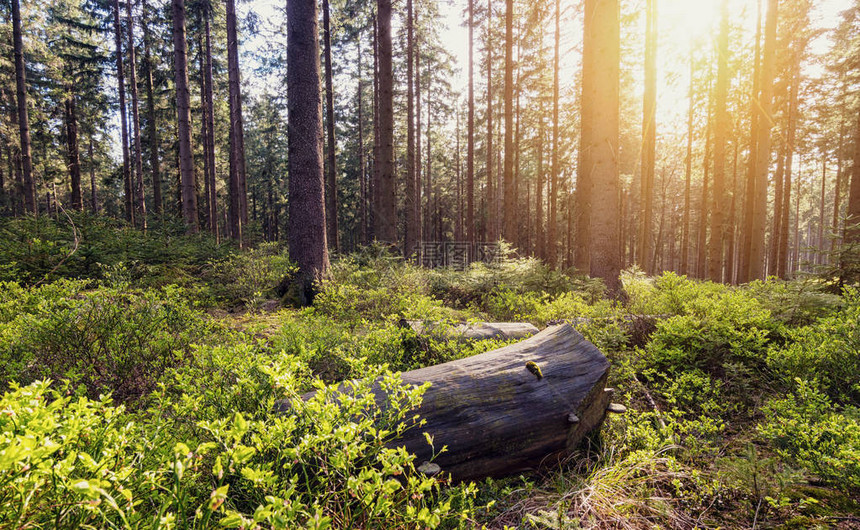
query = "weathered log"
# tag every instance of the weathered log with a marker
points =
(474, 331)
(509, 409)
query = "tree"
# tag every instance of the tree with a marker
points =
(331, 167)
(600, 93)
(307, 230)
(238, 208)
(413, 201)
(582, 237)
(139, 195)
(209, 122)
(385, 213)
(649, 136)
(29, 187)
(470, 155)
(155, 166)
(510, 218)
(187, 181)
(128, 188)
(721, 131)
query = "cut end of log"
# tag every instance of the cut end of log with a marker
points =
(572, 418)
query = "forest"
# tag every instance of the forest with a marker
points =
(245, 245)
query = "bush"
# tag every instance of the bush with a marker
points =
(250, 277)
(110, 340)
(805, 428)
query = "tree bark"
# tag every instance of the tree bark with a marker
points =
(688, 172)
(29, 185)
(139, 195)
(238, 208)
(492, 235)
(307, 230)
(73, 152)
(331, 158)
(183, 108)
(782, 256)
(852, 216)
(362, 175)
(750, 185)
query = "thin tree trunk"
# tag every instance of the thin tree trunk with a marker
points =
(688, 172)
(778, 191)
(307, 230)
(582, 237)
(422, 196)
(155, 166)
(238, 207)
(750, 187)
(649, 138)
(139, 195)
(852, 216)
(74, 155)
(540, 244)
(385, 214)
(837, 191)
(94, 198)
(730, 243)
(491, 197)
(128, 187)
(29, 191)
(209, 118)
(509, 212)
(782, 256)
(331, 166)
(210, 221)
(702, 232)
(361, 162)
(470, 156)
(821, 212)
(519, 239)
(413, 205)
(183, 109)
(721, 132)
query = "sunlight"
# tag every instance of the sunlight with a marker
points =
(682, 22)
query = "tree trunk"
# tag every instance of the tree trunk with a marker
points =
(155, 166)
(183, 109)
(649, 138)
(413, 201)
(94, 198)
(540, 244)
(759, 197)
(208, 219)
(238, 208)
(139, 195)
(782, 256)
(385, 212)
(307, 231)
(750, 185)
(74, 155)
(492, 235)
(837, 192)
(601, 44)
(209, 118)
(516, 408)
(852, 216)
(702, 232)
(730, 243)
(721, 133)
(582, 201)
(361, 161)
(128, 187)
(688, 172)
(821, 211)
(29, 185)
(509, 214)
(331, 158)
(470, 156)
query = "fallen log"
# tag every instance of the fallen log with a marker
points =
(509, 409)
(473, 331)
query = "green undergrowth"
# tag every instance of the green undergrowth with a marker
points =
(130, 400)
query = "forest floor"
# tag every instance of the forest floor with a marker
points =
(140, 375)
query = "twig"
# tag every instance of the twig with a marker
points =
(651, 402)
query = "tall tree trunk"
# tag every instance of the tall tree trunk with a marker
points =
(759, 197)
(422, 203)
(209, 118)
(837, 191)
(552, 228)
(721, 132)
(183, 109)
(428, 180)
(208, 193)
(782, 256)
(509, 213)
(688, 172)
(601, 45)
(649, 138)
(73, 153)
(852, 216)
(139, 195)
(361, 161)
(731, 228)
(29, 185)
(458, 226)
(702, 232)
(238, 208)
(331, 166)
(413, 205)
(821, 211)
(492, 235)
(307, 231)
(374, 189)
(385, 218)
(540, 243)
(128, 187)
(778, 191)
(155, 166)
(750, 185)
(470, 156)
